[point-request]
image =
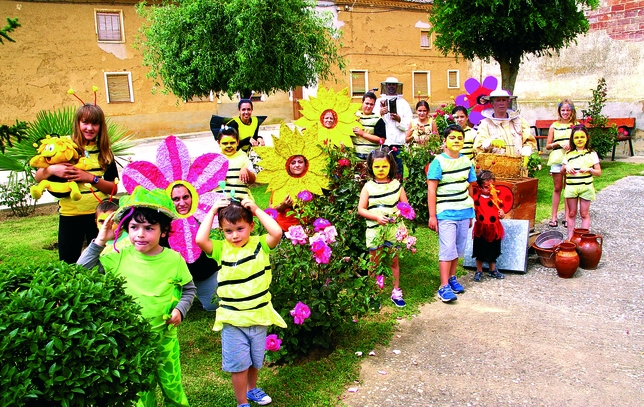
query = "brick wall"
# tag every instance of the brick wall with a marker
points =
(621, 19)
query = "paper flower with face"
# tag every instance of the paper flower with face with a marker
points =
(473, 99)
(334, 115)
(278, 173)
(173, 168)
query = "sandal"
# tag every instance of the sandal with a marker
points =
(554, 223)
(564, 223)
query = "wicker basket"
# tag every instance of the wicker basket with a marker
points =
(502, 166)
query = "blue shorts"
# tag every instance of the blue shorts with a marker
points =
(242, 347)
(452, 236)
(555, 169)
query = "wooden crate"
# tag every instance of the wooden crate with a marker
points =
(525, 198)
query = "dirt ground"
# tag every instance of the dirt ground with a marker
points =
(529, 340)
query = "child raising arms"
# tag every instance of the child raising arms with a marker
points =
(580, 165)
(155, 275)
(377, 204)
(451, 207)
(245, 310)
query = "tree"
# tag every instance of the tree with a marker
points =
(506, 30)
(198, 46)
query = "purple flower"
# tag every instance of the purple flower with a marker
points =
(271, 212)
(320, 224)
(406, 210)
(330, 234)
(273, 343)
(297, 235)
(317, 243)
(380, 281)
(323, 256)
(305, 196)
(300, 313)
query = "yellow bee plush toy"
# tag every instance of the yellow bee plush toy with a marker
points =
(56, 150)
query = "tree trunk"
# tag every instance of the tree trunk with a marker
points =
(509, 72)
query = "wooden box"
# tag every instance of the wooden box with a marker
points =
(525, 198)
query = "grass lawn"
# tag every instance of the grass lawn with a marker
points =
(321, 379)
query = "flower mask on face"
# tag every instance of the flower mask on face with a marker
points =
(454, 141)
(580, 139)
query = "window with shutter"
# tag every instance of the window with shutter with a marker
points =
(453, 79)
(119, 87)
(420, 84)
(109, 26)
(359, 84)
(425, 39)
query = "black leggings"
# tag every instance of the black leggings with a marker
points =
(72, 232)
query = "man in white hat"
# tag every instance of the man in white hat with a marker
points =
(503, 131)
(396, 121)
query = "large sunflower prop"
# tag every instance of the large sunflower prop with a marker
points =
(276, 161)
(339, 107)
(473, 100)
(173, 167)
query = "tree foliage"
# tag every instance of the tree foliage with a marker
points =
(12, 24)
(197, 46)
(506, 30)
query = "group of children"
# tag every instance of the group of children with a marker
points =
(159, 279)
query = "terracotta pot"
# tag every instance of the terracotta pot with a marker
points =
(566, 259)
(546, 256)
(576, 235)
(590, 250)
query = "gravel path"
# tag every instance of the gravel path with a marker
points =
(533, 339)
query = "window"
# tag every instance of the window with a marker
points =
(420, 84)
(119, 87)
(109, 26)
(453, 81)
(359, 83)
(425, 39)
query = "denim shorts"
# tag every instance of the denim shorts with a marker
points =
(452, 236)
(555, 169)
(242, 347)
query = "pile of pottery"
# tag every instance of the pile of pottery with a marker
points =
(584, 249)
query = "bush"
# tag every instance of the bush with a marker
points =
(15, 195)
(71, 337)
(602, 138)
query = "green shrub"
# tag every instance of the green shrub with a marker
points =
(602, 138)
(15, 195)
(71, 337)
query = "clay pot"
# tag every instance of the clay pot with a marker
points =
(566, 259)
(590, 250)
(576, 235)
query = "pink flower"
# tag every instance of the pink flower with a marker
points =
(330, 234)
(411, 241)
(273, 343)
(317, 242)
(449, 117)
(380, 281)
(323, 256)
(300, 313)
(413, 250)
(297, 235)
(401, 233)
(305, 196)
(406, 210)
(271, 212)
(320, 224)
(343, 162)
(443, 105)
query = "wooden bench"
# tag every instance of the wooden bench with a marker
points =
(541, 128)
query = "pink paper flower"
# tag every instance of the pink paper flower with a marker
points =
(343, 162)
(320, 224)
(380, 281)
(297, 235)
(411, 241)
(173, 166)
(305, 196)
(330, 234)
(273, 343)
(401, 233)
(406, 210)
(271, 212)
(300, 313)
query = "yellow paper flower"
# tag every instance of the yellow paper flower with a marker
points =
(340, 114)
(275, 161)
